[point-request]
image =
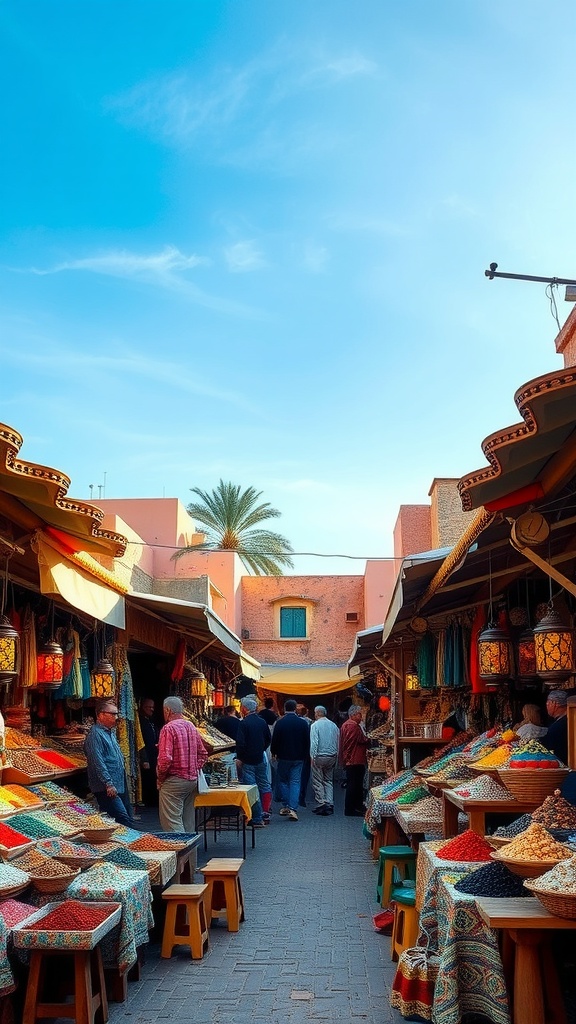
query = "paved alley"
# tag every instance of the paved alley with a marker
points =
(307, 950)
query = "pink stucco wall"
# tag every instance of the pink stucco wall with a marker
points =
(379, 581)
(331, 637)
(566, 340)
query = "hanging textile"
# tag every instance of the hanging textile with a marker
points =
(426, 662)
(449, 656)
(458, 659)
(71, 685)
(128, 732)
(478, 685)
(440, 655)
(85, 677)
(28, 663)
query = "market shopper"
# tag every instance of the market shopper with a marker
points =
(181, 754)
(228, 723)
(105, 763)
(252, 742)
(302, 712)
(268, 713)
(353, 743)
(149, 752)
(556, 739)
(324, 738)
(291, 746)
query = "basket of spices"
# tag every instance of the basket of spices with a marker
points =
(67, 925)
(556, 889)
(532, 853)
(12, 881)
(533, 773)
(74, 855)
(97, 830)
(52, 877)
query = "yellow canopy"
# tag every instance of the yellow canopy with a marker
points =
(305, 680)
(61, 574)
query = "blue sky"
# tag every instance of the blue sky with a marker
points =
(248, 240)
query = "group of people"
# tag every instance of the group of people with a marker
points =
(553, 736)
(171, 759)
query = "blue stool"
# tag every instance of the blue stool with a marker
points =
(395, 864)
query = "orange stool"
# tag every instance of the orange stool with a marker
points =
(186, 922)
(89, 994)
(222, 875)
(405, 927)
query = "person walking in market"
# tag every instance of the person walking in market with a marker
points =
(291, 746)
(149, 752)
(181, 755)
(353, 743)
(324, 738)
(302, 712)
(252, 742)
(105, 763)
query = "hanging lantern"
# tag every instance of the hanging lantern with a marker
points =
(103, 679)
(494, 655)
(384, 704)
(526, 655)
(554, 644)
(218, 698)
(50, 664)
(411, 678)
(9, 651)
(198, 684)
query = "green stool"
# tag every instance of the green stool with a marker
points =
(395, 864)
(405, 927)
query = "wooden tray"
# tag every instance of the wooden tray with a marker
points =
(526, 868)
(26, 938)
(10, 852)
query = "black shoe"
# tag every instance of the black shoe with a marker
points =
(319, 810)
(324, 812)
(329, 808)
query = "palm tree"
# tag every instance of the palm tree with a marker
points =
(229, 513)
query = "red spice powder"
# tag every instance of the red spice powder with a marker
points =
(467, 847)
(72, 916)
(58, 760)
(10, 838)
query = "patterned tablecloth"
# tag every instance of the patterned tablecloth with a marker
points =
(7, 981)
(166, 861)
(430, 869)
(105, 882)
(470, 973)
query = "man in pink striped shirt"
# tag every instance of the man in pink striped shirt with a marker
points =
(181, 753)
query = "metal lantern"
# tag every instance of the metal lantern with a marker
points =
(494, 654)
(50, 664)
(526, 655)
(554, 644)
(411, 678)
(103, 679)
(9, 650)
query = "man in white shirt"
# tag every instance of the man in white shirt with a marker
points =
(324, 737)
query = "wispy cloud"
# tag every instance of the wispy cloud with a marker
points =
(359, 223)
(315, 257)
(165, 269)
(243, 257)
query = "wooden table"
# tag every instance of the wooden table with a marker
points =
(476, 810)
(241, 797)
(527, 957)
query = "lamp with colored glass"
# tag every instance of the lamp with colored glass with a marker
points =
(494, 647)
(9, 640)
(50, 665)
(411, 678)
(103, 678)
(554, 648)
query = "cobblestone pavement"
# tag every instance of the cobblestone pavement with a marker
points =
(307, 950)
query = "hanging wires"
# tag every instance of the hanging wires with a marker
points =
(550, 295)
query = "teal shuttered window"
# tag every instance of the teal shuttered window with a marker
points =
(292, 622)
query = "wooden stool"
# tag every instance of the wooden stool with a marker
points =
(396, 864)
(186, 922)
(89, 995)
(405, 927)
(222, 875)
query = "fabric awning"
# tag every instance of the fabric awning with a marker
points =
(249, 667)
(60, 574)
(305, 680)
(196, 619)
(368, 642)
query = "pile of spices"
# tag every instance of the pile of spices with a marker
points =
(535, 844)
(64, 848)
(455, 762)
(15, 798)
(485, 788)
(496, 758)
(555, 812)
(123, 834)
(492, 880)
(124, 858)
(72, 916)
(50, 791)
(148, 842)
(461, 772)
(13, 912)
(176, 837)
(58, 760)
(49, 868)
(533, 755)
(6, 808)
(30, 861)
(15, 739)
(426, 811)
(468, 846)
(515, 828)
(60, 826)
(9, 837)
(96, 821)
(29, 763)
(11, 876)
(561, 878)
(412, 796)
(32, 826)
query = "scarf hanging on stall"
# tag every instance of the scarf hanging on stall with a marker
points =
(128, 732)
(28, 659)
(440, 656)
(449, 679)
(459, 659)
(426, 662)
(71, 685)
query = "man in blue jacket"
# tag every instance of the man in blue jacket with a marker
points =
(106, 772)
(252, 739)
(291, 746)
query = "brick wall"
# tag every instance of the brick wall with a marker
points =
(448, 521)
(412, 532)
(331, 638)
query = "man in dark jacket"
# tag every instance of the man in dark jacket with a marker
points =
(252, 739)
(291, 746)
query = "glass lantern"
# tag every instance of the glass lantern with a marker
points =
(554, 643)
(494, 655)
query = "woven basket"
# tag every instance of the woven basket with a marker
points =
(78, 863)
(99, 835)
(13, 890)
(377, 760)
(56, 883)
(532, 785)
(559, 904)
(525, 868)
(497, 841)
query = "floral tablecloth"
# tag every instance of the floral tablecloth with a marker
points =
(430, 869)
(166, 861)
(105, 882)
(7, 981)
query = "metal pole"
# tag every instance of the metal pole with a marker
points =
(491, 274)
